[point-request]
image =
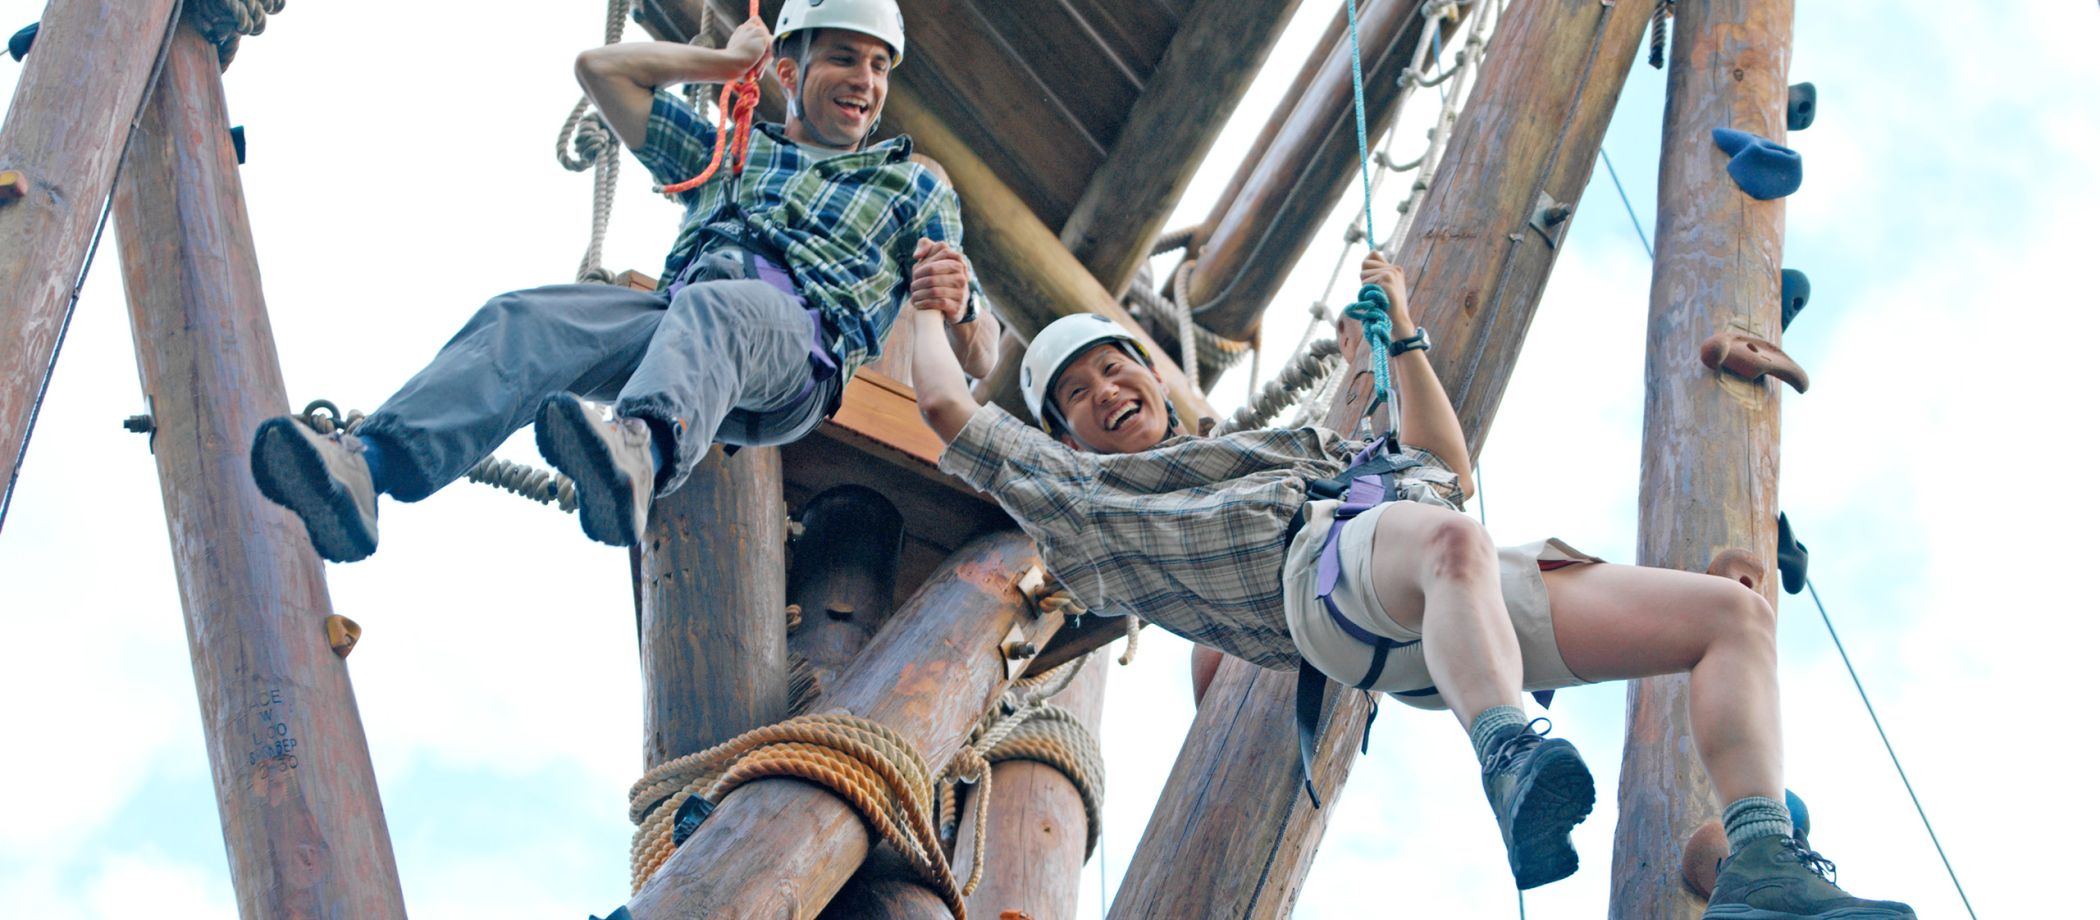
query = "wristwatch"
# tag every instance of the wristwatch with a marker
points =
(969, 311)
(1417, 342)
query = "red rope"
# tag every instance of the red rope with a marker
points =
(738, 103)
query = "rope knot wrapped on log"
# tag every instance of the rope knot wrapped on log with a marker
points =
(223, 22)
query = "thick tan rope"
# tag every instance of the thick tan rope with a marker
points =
(223, 22)
(1025, 725)
(1062, 601)
(586, 142)
(865, 763)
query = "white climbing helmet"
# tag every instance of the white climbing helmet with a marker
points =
(1055, 347)
(879, 18)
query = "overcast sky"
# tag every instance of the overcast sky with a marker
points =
(400, 172)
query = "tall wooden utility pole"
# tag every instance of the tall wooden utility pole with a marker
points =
(1233, 833)
(81, 85)
(1710, 464)
(297, 799)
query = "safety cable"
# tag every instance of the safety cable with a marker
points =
(65, 323)
(1630, 215)
(1898, 761)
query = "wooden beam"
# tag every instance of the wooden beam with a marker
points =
(298, 803)
(1035, 839)
(1303, 174)
(713, 619)
(1208, 66)
(65, 132)
(780, 847)
(1475, 271)
(1710, 458)
(1024, 268)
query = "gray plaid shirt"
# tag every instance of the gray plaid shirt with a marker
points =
(1188, 535)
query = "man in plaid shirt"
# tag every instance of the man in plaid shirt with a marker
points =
(785, 278)
(1234, 543)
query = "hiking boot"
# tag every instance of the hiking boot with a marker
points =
(609, 459)
(322, 479)
(1780, 878)
(1540, 790)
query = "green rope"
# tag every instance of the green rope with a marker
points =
(1363, 147)
(1371, 303)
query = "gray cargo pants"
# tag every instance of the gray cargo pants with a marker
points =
(727, 359)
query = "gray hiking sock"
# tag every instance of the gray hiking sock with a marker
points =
(1490, 723)
(1751, 817)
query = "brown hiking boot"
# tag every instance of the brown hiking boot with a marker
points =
(322, 479)
(1780, 878)
(608, 458)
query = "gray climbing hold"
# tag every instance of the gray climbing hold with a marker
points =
(1800, 106)
(1793, 295)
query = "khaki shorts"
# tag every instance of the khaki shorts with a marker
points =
(1339, 656)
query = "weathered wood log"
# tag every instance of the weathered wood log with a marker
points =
(1035, 839)
(713, 617)
(1300, 177)
(298, 803)
(1475, 271)
(1710, 461)
(1024, 268)
(782, 848)
(1077, 640)
(844, 577)
(1207, 68)
(65, 133)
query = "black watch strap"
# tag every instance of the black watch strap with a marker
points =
(1417, 342)
(969, 311)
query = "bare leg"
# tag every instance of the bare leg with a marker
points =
(1615, 622)
(1435, 571)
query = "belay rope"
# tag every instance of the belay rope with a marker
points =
(737, 105)
(1371, 306)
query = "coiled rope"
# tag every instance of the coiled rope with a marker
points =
(223, 22)
(738, 106)
(587, 142)
(865, 763)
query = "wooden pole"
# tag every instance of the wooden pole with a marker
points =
(1207, 67)
(1301, 176)
(1710, 461)
(1475, 271)
(713, 616)
(1035, 840)
(781, 848)
(298, 802)
(845, 575)
(73, 107)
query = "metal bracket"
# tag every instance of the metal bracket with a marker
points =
(1017, 651)
(1547, 214)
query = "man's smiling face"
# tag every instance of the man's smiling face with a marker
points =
(1111, 403)
(841, 83)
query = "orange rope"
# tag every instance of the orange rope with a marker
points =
(738, 103)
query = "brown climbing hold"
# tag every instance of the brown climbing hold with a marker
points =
(1702, 857)
(13, 185)
(1014, 915)
(1739, 565)
(342, 634)
(1751, 357)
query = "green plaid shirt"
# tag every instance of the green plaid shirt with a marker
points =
(1188, 535)
(845, 225)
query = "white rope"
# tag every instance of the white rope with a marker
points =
(587, 142)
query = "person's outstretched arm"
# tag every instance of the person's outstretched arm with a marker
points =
(937, 376)
(940, 280)
(622, 78)
(1427, 420)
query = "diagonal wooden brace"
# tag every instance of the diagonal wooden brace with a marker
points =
(1751, 357)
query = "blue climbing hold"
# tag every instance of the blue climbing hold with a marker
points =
(1763, 169)
(240, 144)
(620, 914)
(1793, 295)
(18, 43)
(1800, 106)
(1798, 810)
